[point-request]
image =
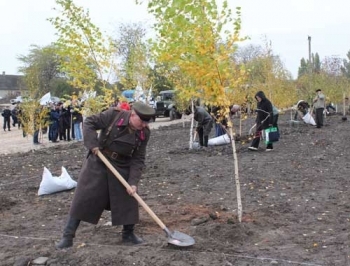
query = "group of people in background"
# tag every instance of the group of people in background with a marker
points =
(65, 122)
(7, 114)
(266, 117)
(60, 122)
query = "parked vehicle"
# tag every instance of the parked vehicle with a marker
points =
(166, 106)
(130, 97)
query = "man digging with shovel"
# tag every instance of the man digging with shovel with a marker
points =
(123, 139)
(204, 125)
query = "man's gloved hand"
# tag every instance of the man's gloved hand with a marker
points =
(95, 150)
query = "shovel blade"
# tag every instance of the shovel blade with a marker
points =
(195, 145)
(179, 239)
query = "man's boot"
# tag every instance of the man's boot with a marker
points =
(255, 144)
(129, 236)
(201, 138)
(201, 142)
(206, 139)
(68, 233)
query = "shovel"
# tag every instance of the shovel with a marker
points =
(175, 238)
(251, 129)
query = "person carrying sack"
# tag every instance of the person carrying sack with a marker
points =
(264, 120)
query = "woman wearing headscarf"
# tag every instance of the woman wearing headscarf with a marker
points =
(264, 120)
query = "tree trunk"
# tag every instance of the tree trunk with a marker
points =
(191, 129)
(236, 176)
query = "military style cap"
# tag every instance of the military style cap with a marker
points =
(144, 111)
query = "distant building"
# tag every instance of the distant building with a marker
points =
(10, 85)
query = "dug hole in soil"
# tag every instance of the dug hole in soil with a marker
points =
(295, 201)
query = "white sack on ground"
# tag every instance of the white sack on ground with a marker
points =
(221, 140)
(308, 119)
(51, 184)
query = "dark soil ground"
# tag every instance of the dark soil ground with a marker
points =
(295, 203)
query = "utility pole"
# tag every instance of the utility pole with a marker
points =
(310, 63)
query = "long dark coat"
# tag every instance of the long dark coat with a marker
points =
(264, 111)
(98, 189)
(204, 120)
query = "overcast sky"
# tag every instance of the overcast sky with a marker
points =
(286, 23)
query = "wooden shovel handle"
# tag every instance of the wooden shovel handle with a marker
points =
(136, 196)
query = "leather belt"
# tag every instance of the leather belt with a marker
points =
(114, 155)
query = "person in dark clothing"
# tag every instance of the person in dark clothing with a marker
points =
(220, 122)
(6, 113)
(329, 107)
(204, 125)
(68, 123)
(64, 123)
(77, 120)
(14, 114)
(54, 123)
(319, 105)
(302, 109)
(36, 137)
(123, 139)
(264, 120)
